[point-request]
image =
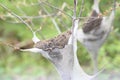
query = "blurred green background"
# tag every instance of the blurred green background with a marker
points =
(17, 65)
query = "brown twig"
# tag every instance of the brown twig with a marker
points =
(19, 45)
(7, 44)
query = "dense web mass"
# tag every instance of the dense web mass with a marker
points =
(58, 42)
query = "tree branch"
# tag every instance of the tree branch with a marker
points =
(53, 20)
(48, 4)
(81, 8)
(12, 13)
(75, 7)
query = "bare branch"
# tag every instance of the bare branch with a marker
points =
(38, 3)
(114, 5)
(110, 9)
(81, 8)
(35, 38)
(29, 17)
(53, 20)
(7, 44)
(48, 4)
(12, 13)
(62, 8)
(75, 6)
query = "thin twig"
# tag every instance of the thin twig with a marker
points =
(33, 17)
(40, 2)
(7, 44)
(114, 5)
(75, 5)
(62, 8)
(12, 13)
(81, 8)
(53, 20)
(29, 20)
(48, 4)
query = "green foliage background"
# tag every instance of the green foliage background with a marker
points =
(14, 64)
